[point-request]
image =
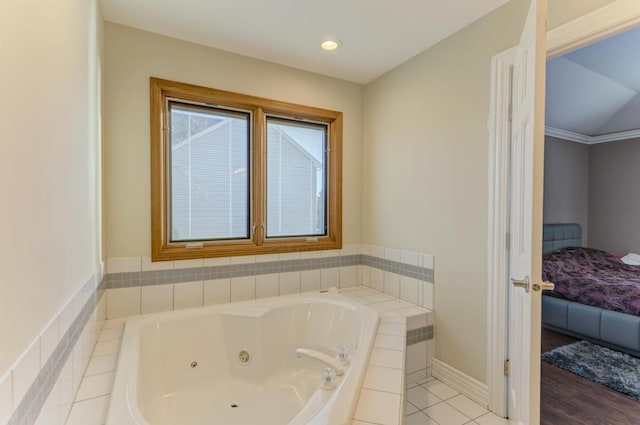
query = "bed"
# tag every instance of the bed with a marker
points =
(597, 296)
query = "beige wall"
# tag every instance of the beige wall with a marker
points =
(425, 169)
(614, 196)
(132, 56)
(421, 184)
(49, 118)
(566, 183)
(563, 11)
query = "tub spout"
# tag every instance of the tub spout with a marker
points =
(321, 357)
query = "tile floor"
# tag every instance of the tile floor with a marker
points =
(431, 402)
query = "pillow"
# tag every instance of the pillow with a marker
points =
(631, 259)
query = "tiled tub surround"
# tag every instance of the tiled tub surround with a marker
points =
(136, 285)
(381, 399)
(41, 385)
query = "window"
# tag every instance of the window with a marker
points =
(208, 176)
(296, 175)
(239, 175)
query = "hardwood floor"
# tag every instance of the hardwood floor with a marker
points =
(567, 399)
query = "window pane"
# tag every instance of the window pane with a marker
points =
(209, 169)
(296, 178)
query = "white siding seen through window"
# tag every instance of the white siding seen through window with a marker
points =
(209, 173)
(296, 176)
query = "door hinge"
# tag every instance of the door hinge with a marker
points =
(510, 112)
(506, 367)
(507, 240)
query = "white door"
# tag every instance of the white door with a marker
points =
(526, 179)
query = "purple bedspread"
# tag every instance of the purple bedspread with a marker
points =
(593, 277)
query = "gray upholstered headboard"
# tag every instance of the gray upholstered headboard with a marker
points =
(556, 236)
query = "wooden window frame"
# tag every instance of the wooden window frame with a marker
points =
(164, 250)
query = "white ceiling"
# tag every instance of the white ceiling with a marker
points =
(595, 91)
(377, 35)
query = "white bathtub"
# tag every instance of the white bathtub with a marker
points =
(183, 367)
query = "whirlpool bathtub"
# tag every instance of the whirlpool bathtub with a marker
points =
(256, 362)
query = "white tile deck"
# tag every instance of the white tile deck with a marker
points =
(89, 412)
(387, 358)
(95, 386)
(378, 407)
(92, 400)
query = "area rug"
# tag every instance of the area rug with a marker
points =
(618, 371)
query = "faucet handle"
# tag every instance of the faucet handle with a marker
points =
(343, 355)
(328, 379)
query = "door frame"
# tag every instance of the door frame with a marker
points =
(602, 23)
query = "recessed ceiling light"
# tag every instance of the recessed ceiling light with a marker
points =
(331, 44)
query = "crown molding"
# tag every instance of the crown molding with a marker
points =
(615, 137)
(590, 140)
(567, 135)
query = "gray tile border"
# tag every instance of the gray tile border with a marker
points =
(162, 277)
(408, 270)
(31, 404)
(418, 335)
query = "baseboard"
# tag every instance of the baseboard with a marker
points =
(468, 386)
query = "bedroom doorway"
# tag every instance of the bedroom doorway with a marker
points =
(604, 22)
(592, 148)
